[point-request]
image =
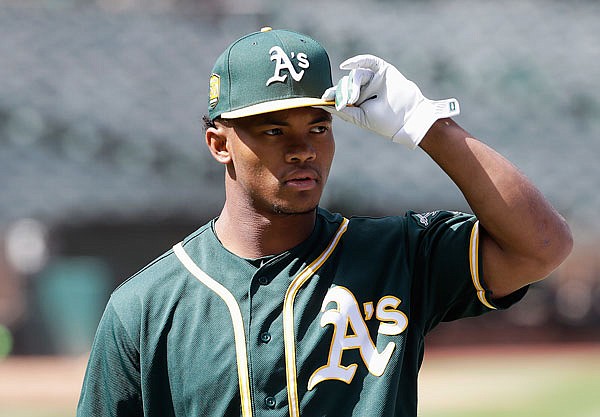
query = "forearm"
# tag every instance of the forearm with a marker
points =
(526, 237)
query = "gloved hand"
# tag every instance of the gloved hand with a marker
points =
(377, 97)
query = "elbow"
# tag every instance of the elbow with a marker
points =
(555, 249)
(568, 241)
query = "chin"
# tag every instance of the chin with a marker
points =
(293, 211)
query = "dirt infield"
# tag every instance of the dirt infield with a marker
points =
(44, 383)
(451, 379)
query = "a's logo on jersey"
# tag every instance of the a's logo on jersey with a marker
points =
(284, 62)
(214, 90)
(351, 332)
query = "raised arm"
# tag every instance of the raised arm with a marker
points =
(522, 237)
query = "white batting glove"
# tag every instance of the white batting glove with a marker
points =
(377, 97)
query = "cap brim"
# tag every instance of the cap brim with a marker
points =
(276, 105)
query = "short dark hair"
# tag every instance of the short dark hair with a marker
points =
(211, 123)
(208, 122)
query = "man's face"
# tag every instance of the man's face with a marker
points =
(280, 161)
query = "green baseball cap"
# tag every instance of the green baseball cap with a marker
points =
(268, 71)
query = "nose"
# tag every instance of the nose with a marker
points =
(300, 150)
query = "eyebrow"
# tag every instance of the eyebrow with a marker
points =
(325, 118)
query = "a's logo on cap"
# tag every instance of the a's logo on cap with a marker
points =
(283, 62)
(215, 90)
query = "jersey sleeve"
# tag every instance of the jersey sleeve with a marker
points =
(448, 269)
(111, 386)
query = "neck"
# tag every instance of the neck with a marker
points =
(250, 234)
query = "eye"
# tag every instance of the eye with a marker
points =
(319, 129)
(273, 132)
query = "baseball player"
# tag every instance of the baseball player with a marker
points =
(278, 307)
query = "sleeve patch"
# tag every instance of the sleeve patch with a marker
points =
(427, 219)
(424, 219)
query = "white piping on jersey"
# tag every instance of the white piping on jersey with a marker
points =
(238, 325)
(474, 265)
(289, 337)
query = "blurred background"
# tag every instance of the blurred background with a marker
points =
(103, 166)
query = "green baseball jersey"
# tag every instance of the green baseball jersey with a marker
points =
(332, 327)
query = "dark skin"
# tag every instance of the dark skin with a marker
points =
(277, 165)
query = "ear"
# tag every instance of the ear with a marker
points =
(216, 140)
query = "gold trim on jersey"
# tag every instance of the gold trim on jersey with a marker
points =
(288, 321)
(238, 325)
(474, 265)
(288, 318)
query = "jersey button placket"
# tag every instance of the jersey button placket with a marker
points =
(265, 278)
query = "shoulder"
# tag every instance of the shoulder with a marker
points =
(160, 278)
(367, 234)
(407, 230)
(358, 223)
(411, 220)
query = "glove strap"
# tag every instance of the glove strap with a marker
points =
(421, 119)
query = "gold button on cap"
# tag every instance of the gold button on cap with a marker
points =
(266, 29)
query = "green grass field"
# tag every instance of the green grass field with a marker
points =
(511, 383)
(462, 382)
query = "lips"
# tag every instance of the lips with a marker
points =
(302, 179)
